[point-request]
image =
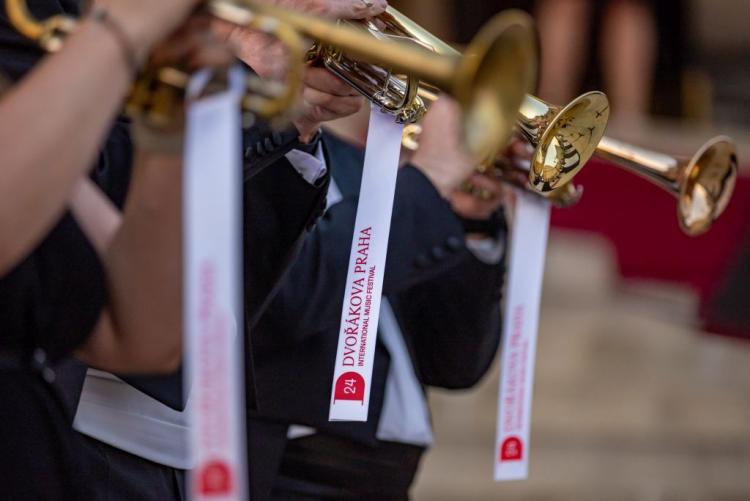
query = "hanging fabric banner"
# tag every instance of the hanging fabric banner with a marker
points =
(214, 374)
(520, 326)
(350, 394)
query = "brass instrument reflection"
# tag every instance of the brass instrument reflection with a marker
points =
(489, 82)
(702, 184)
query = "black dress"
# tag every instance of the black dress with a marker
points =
(49, 304)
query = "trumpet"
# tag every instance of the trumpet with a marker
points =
(536, 119)
(566, 195)
(564, 138)
(703, 184)
(158, 92)
(489, 82)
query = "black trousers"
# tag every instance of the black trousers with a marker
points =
(119, 476)
(324, 467)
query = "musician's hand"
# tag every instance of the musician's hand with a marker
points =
(518, 155)
(336, 9)
(325, 97)
(192, 47)
(468, 205)
(486, 193)
(146, 22)
(440, 156)
(266, 55)
(263, 53)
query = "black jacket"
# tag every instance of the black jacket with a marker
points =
(446, 301)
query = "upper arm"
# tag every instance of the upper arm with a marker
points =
(106, 350)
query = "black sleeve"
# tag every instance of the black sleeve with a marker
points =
(64, 269)
(264, 146)
(426, 239)
(452, 323)
(281, 208)
(53, 298)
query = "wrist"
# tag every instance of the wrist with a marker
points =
(311, 146)
(491, 227)
(137, 31)
(439, 179)
(118, 33)
(156, 142)
(307, 131)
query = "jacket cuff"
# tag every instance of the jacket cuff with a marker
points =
(264, 146)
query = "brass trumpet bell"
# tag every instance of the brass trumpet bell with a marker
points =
(489, 82)
(566, 195)
(562, 197)
(564, 138)
(703, 184)
(477, 77)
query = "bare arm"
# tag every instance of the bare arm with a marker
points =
(67, 92)
(52, 123)
(141, 329)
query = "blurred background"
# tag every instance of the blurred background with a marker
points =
(643, 374)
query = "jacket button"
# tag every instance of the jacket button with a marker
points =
(439, 253)
(422, 261)
(454, 244)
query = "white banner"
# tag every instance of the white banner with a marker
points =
(214, 373)
(350, 392)
(520, 325)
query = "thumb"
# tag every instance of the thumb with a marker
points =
(359, 9)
